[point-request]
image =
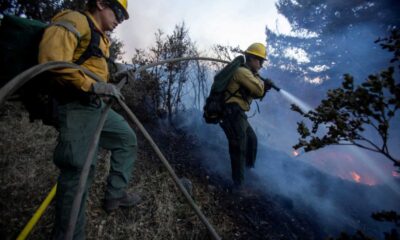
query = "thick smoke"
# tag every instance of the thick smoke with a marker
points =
(334, 203)
(318, 184)
(338, 186)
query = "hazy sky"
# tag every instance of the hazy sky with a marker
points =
(235, 22)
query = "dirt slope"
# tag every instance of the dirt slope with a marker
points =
(27, 175)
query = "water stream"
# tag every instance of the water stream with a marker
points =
(291, 98)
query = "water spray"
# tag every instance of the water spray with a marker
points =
(290, 97)
(295, 100)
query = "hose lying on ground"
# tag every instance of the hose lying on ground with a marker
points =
(25, 76)
(38, 214)
(85, 171)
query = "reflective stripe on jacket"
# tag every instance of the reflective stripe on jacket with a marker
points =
(250, 82)
(59, 44)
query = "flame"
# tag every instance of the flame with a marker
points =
(356, 177)
(348, 169)
(295, 153)
(396, 174)
(364, 179)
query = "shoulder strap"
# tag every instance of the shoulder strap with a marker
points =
(241, 60)
(93, 48)
(69, 26)
(230, 94)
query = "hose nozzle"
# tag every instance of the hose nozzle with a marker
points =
(271, 84)
(275, 87)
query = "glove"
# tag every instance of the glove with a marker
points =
(121, 71)
(106, 89)
(267, 84)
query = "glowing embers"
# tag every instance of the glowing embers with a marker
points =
(345, 165)
(356, 177)
(296, 153)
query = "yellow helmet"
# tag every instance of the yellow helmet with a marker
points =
(257, 49)
(122, 9)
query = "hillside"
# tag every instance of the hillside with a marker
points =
(27, 175)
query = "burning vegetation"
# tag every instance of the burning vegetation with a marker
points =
(296, 153)
(355, 176)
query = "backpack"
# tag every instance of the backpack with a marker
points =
(212, 110)
(19, 49)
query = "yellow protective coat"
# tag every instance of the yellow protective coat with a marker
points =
(244, 78)
(59, 44)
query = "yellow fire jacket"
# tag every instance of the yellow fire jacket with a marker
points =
(60, 44)
(252, 84)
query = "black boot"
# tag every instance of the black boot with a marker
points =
(128, 200)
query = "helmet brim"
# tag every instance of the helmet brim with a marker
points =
(126, 14)
(255, 55)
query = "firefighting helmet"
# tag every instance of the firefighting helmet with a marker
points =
(257, 49)
(120, 9)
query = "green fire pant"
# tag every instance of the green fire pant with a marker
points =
(242, 141)
(78, 123)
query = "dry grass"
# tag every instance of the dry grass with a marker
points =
(27, 171)
(27, 175)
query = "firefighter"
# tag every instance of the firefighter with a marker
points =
(244, 86)
(80, 106)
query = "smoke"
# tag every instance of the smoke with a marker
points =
(318, 184)
(338, 187)
(308, 184)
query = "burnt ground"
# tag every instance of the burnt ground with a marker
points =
(257, 215)
(27, 175)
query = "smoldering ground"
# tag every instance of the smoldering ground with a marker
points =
(333, 203)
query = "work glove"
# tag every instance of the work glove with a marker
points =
(121, 71)
(130, 74)
(106, 89)
(267, 84)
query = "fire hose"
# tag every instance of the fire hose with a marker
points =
(39, 212)
(24, 77)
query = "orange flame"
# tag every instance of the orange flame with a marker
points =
(367, 180)
(295, 153)
(356, 177)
